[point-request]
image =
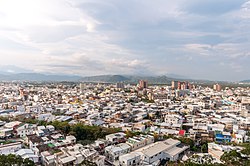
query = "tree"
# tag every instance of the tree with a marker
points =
(187, 141)
(246, 150)
(11, 159)
(130, 133)
(87, 163)
(156, 136)
(205, 160)
(232, 158)
(204, 148)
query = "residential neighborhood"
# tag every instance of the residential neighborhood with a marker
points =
(57, 124)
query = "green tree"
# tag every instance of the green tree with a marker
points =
(204, 148)
(232, 158)
(13, 160)
(87, 163)
(246, 149)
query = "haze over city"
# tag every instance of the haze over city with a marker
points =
(124, 82)
(200, 39)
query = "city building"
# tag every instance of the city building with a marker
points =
(143, 84)
(217, 87)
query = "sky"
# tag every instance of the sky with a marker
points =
(199, 39)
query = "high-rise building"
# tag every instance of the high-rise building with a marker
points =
(82, 86)
(120, 85)
(143, 84)
(180, 85)
(174, 84)
(217, 87)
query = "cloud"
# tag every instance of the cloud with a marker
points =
(90, 37)
(212, 7)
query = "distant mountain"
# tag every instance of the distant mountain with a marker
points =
(37, 77)
(177, 76)
(101, 78)
(135, 79)
(152, 79)
(106, 78)
(245, 81)
(128, 79)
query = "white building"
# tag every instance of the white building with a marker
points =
(131, 159)
(10, 148)
(25, 129)
(169, 150)
(173, 119)
(28, 154)
(140, 141)
(116, 138)
(114, 151)
(6, 132)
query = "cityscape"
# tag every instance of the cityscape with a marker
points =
(67, 123)
(124, 83)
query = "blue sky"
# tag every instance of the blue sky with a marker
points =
(203, 39)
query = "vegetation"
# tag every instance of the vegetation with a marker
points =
(88, 163)
(3, 118)
(24, 120)
(237, 157)
(11, 160)
(203, 147)
(83, 132)
(147, 100)
(231, 158)
(246, 150)
(132, 134)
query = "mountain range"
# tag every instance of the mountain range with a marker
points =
(101, 78)
(39, 77)
(245, 81)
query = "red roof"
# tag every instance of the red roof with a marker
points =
(182, 132)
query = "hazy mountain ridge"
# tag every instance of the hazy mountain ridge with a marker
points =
(135, 79)
(37, 77)
(245, 81)
(99, 78)
(105, 78)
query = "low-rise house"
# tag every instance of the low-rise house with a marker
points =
(116, 138)
(28, 154)
(47, 159)
(10, 148)
(24, 129)
(223, 137)
(137, 142)
(166, 150)
(6, 132)
(133, 158)
(173, 119)
(237, 138)
(74, 155)
(64, 160)
(154, 153)
(114, 151)
(45, 117)
(138, 127)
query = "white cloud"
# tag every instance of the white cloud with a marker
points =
(116, 36)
